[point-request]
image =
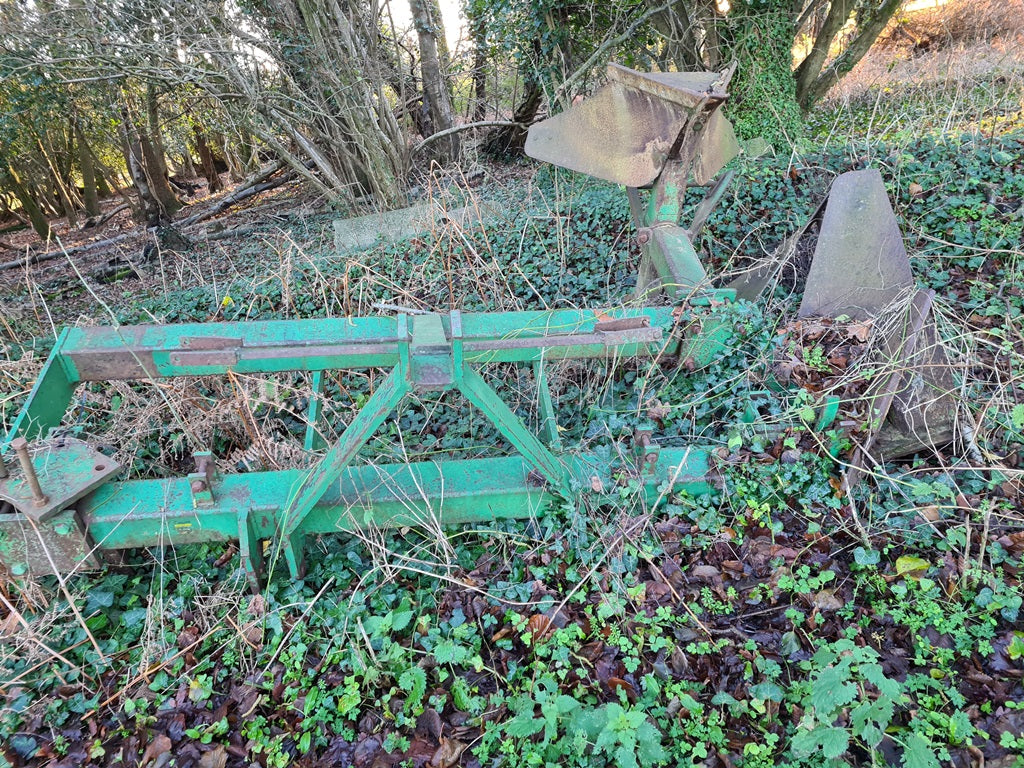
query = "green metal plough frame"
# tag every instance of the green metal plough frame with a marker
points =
(65, 505)
(60, 505)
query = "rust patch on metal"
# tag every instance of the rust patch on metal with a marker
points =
(630, 126)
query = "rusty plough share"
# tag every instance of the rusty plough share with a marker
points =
(60, 506)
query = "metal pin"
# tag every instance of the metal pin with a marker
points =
(20, 446)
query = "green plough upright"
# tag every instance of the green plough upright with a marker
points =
(61, 506)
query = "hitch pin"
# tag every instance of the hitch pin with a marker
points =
(20, 446)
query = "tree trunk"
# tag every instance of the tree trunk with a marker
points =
(810, 68)
(35, 214)
(152, 162)
(59, 185)
(155, 135)
(207, 161)
(436, 94)
(150, 208)
(188, 167)
(679, 28)
(90, 192)
(478, 34)
(509, 139)
(875, 19)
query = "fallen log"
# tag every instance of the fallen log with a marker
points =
(96, 222)
(78, 250)
(258, 183)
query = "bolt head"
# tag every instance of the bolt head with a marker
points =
(19, 444)
(198, 486)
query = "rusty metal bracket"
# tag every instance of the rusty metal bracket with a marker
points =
(52, 475)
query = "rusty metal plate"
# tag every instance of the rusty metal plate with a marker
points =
(67, 470)
(55, 546)
(922, 413)
(911, 403)
(860, 264)
(717, 147)
(626, 130)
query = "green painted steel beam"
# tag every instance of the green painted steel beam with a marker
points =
(143, 513)
(201, 349)
(49, 399)
(325, 472)
(313, 440)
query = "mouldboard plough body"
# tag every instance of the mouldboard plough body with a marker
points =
(62, 504)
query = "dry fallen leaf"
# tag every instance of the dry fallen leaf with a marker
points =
(9, 625)
(826, 600)
(915, 189)
(540, 626)
(161, 744)
(215, 758)
(429, 724)
(859, 331)
(615, 684)
(705, 573)
(257, 606)
(448, 753)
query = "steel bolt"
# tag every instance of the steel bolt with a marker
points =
(198, 486)
(3, 469)
(20, 446)
(643, 236)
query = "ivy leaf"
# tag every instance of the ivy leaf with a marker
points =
(864, 556)
(98, 599)
(912, 566)
(133, 617)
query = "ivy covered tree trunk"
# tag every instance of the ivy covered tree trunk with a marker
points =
(477, 22)
(509, 139)
(763, 103)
